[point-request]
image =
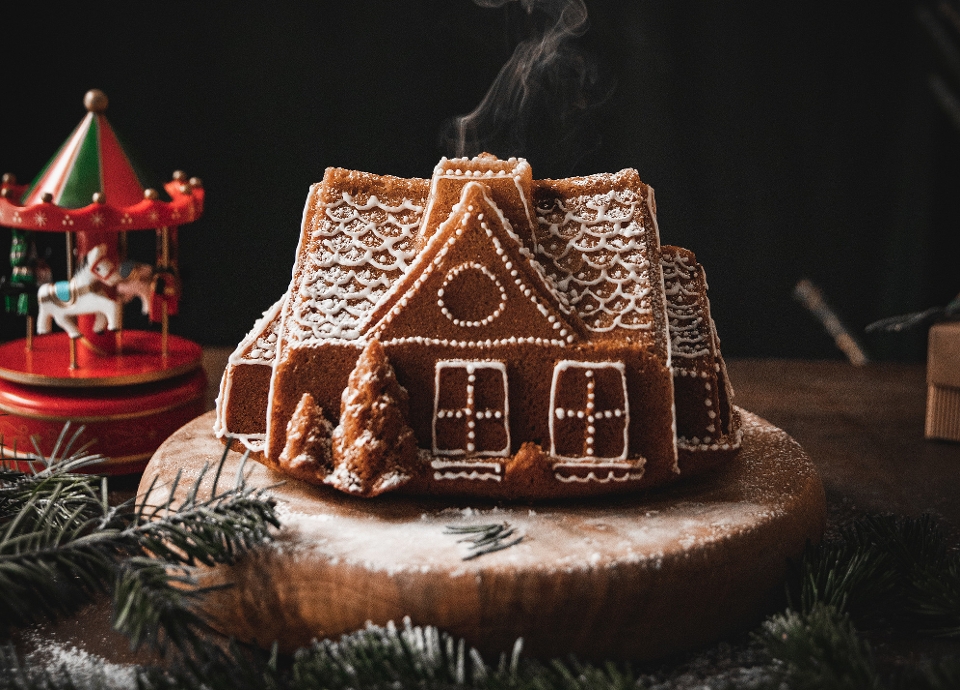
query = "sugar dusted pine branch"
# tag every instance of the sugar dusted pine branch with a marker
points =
(61, 543)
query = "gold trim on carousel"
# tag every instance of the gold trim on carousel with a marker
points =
(98, 382)
(7, 459)
(103, 418)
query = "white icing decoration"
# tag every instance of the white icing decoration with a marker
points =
(690, 334)
(357, 251)
(591, 413)
(453, 273)
(483, 476)
(512, 340)
(469, 411)
(591, 477)
(596, 254)
(259, 346)
(437, 262)
(696, 444)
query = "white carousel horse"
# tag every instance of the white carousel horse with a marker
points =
(88, 292)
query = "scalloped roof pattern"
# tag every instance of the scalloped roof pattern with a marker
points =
(595, 248)
(357, 246)
(691, 335)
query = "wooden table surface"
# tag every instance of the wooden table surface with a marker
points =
(862, 427)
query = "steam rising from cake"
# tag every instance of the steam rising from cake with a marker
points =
(548, 81)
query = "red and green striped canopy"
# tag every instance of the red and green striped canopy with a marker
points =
(90, 161)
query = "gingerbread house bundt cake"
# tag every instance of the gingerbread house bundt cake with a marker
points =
(483, 333)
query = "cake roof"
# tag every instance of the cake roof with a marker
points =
(592, 250)
(691, 332)
(595, 235)
(358, 239)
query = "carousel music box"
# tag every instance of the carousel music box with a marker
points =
(129, 389)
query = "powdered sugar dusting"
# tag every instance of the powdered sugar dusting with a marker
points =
(760, 488)
(59, 662)
(594, 248)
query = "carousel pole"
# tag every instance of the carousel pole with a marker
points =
(70, 243)
(70, 267)
(122, 256)
(164, 264)
(164, 330)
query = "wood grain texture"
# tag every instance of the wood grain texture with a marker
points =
(632, 578)
(863, 429)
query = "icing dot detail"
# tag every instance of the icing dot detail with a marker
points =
(465, 323)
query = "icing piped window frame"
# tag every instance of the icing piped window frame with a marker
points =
(469, 412)
(557, 412)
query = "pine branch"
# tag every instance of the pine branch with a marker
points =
(376, 655)
(845, 576)
(63, 543)
(819, 650)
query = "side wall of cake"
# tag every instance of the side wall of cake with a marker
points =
(358, 236)
(244, 388)
(706, 419)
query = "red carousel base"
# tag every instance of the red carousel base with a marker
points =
(140, 359)
(127, 403)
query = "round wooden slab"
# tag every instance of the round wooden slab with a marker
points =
(620, 578)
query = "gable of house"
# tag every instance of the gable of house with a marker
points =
(472, 283)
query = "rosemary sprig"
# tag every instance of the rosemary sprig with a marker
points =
(485, 539)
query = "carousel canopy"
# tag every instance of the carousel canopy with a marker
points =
(90, 161)
(90, 185)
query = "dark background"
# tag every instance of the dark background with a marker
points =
(784, 140)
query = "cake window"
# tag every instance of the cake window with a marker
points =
(470, 409)
(589, 411)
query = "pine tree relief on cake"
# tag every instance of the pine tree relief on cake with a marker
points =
(308, 452)
(373, 446)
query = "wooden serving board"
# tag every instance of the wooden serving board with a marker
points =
(620, 578)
